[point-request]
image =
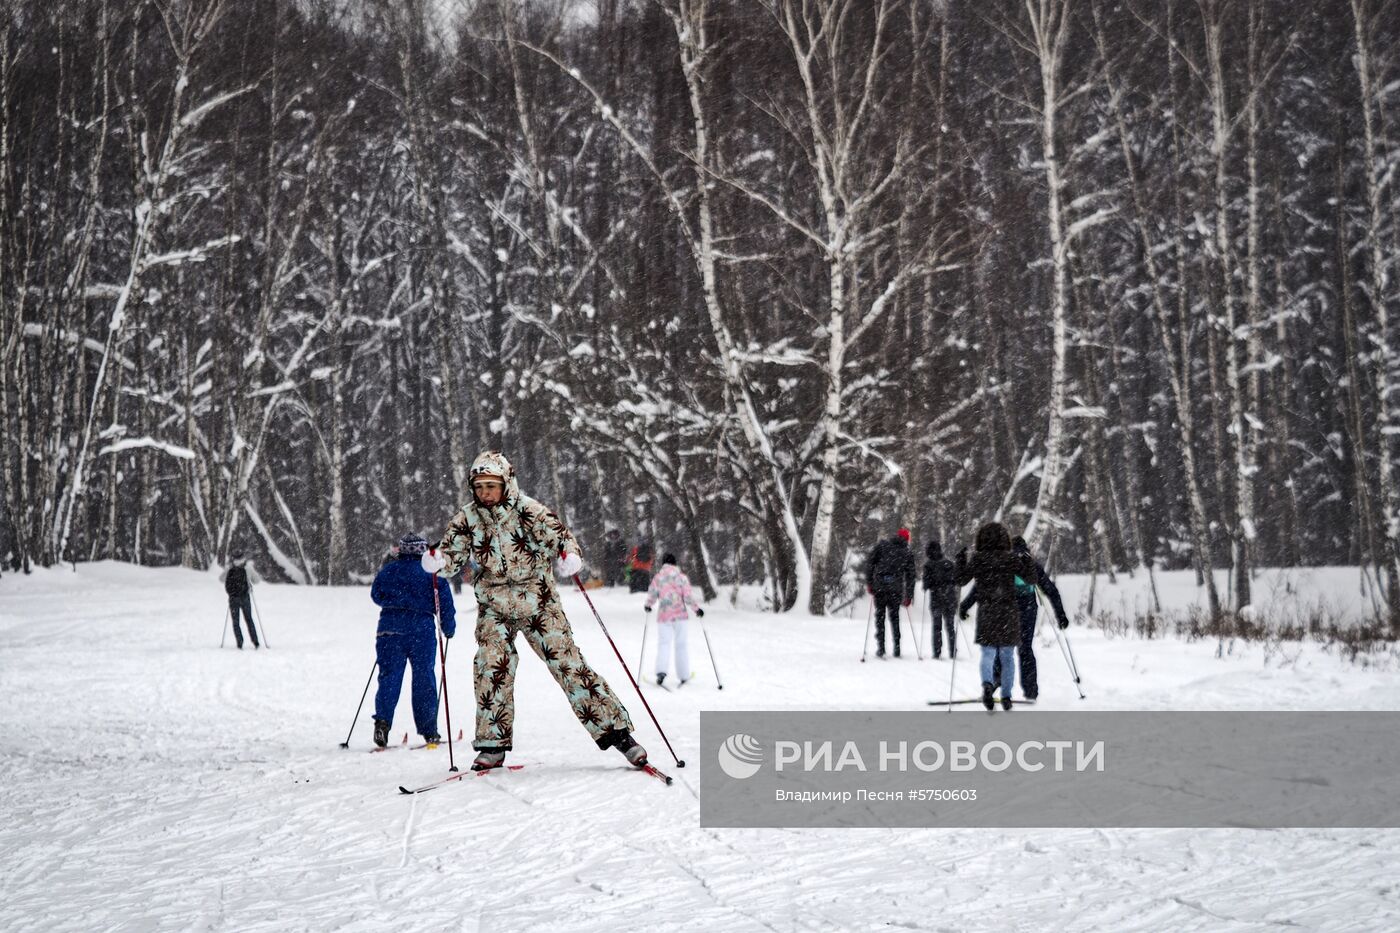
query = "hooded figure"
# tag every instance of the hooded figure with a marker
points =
(941, 587)
(238, 579)
(999, 571)
(1027, 601)
(614, 555)
(517, 545)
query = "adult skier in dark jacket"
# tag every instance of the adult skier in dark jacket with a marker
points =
(238, 582)
(1029, 605)
(408, 635)
(889, 578)
(941, 591)
(996, 568)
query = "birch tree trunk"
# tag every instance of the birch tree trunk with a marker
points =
(1050, 21)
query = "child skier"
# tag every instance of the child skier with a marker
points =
(408, 635)
(671, 589)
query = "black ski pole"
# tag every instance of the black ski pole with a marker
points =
(914, 630)
(261, 624)
(589, 600)
(703, 631)
(869, 616)
(1069, 659)
(1065, 651)
(224, 636)
(346, 743)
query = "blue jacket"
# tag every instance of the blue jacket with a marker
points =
(405, 591)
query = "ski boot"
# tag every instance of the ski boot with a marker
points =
(1006, 703)
(488, 758)
(896, 651)
(634, 753)
(381, 732)
(660, 679)
(880, 651)
(432, 741)
(987, 697)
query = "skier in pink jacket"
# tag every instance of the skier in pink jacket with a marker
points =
(671, 590)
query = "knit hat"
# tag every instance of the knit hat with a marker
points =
(903, 533)
(413, 543)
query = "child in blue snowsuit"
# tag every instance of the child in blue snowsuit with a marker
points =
(408, 634)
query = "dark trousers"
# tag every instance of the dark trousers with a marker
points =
(944, 617)
(419, 651)
(639, 582)
(886, 603)
(612, 567)
(1026, 652)
(243, 603)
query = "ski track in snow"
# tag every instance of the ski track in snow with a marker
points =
(156, 782)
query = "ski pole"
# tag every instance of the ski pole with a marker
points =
(599, 619)
(914, 630)
(442, 654)
(963, 636)
(641, 655)
(1068, 654)
(262, 625)
(952, 670)
(718, 680)
(869, 615)
(346, 743)
(225, 634)
(1065, 651)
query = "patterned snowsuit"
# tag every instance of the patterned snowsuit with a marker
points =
(514, 545)
(671, 590)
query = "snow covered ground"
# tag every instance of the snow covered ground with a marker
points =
(156, 782)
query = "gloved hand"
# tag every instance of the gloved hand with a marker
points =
(647, 608)
(908, 603)
(870, 589)
(700, 612)
(568, 564)
(962, 614)
(432, 561)
(449, 635)
(1064, 622)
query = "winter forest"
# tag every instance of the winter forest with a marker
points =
(762, 280)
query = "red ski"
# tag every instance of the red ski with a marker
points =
(455, 776)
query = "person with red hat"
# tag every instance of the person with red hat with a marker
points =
(889, 579)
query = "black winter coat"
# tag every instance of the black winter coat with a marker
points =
(941, 580)
(889, 571)
(998, 612)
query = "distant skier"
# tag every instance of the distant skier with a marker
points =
(238, 579)
(997, 569)
(889, 579)
(670, 592)
(638, 565)
(408, 635)
(614, 556)
(941, 591)
(1029, 606)
(519, 545)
